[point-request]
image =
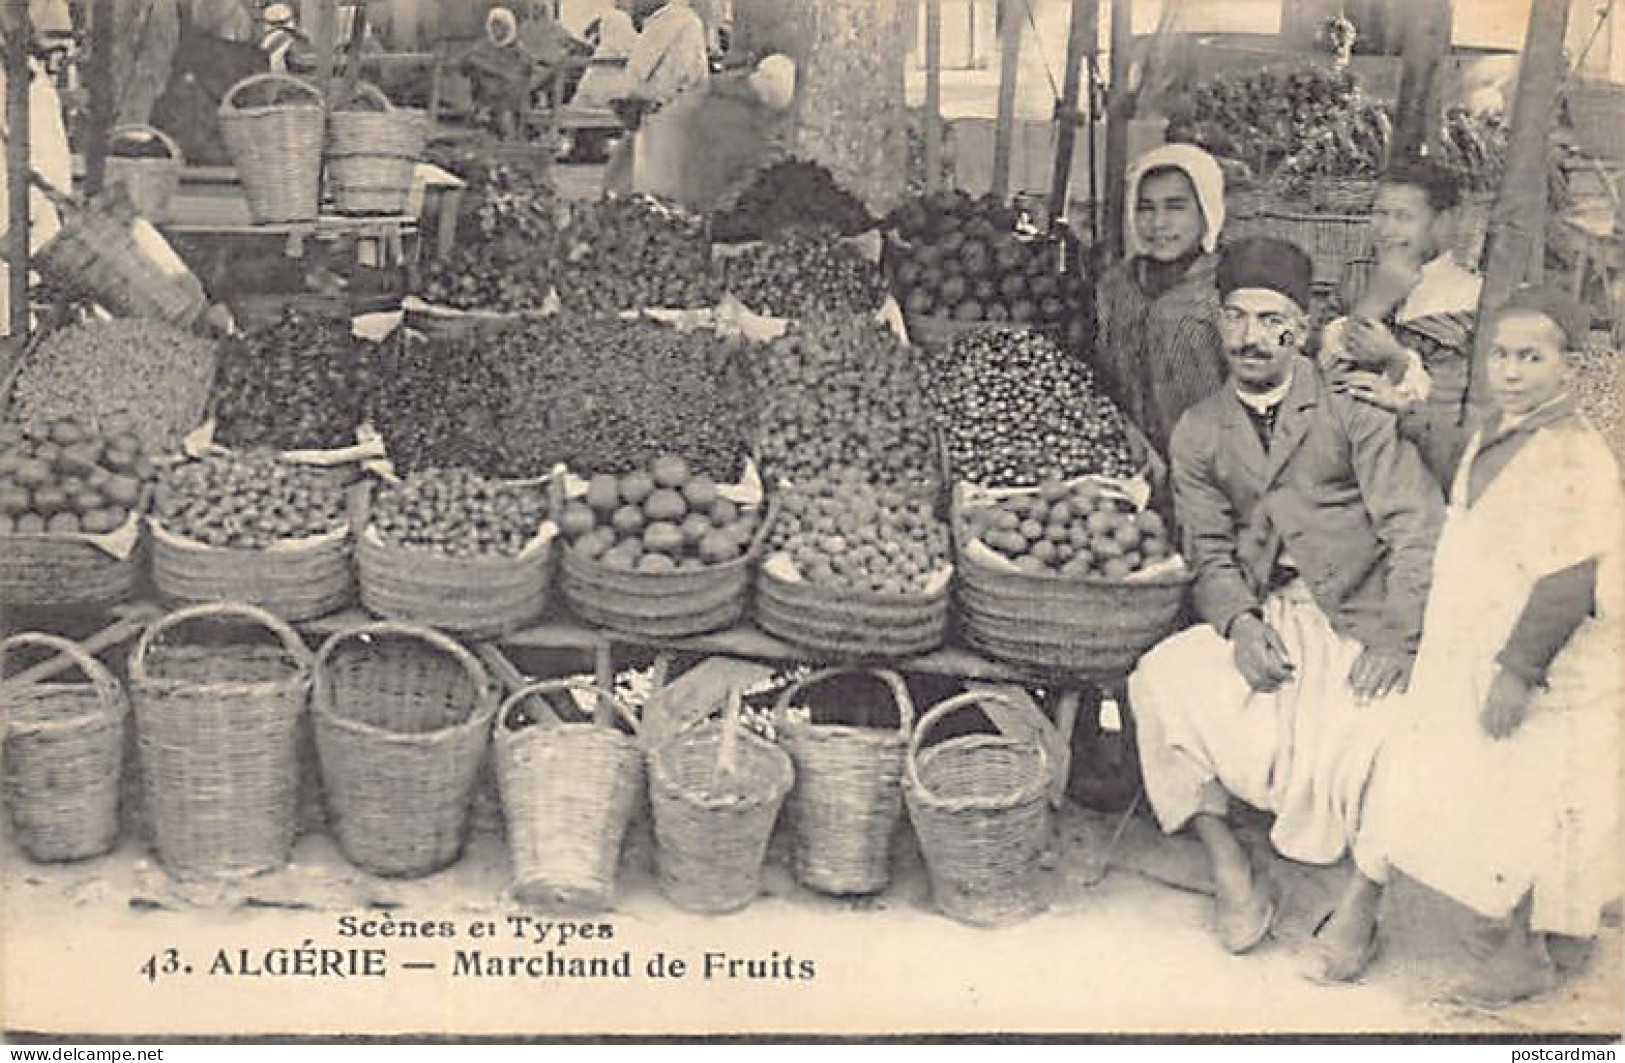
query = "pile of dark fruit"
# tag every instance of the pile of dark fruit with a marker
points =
(634, 253)
(799, 272)
(786, 196)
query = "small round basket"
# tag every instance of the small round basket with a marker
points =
(372, 150)
(848, 795)
(277, 147)
(568, 790)
(64, 755)
(980, 805)
(402, 716)
(217, 718)
(149, 181)
(716, 791)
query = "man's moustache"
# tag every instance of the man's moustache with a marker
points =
(1252, 350)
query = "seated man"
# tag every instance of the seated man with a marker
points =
(1310, 525)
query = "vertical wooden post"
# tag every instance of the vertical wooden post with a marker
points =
(1426, 36)
(933, 94)
(1004, 132)
(1119, 109)
(1517, 238)
(18, 27)
(1080, 41)
(102, 105)
(321, 25)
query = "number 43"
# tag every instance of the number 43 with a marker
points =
(169, 962)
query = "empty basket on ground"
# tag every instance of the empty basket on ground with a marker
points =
(217, 717)
(296, 580)
(149, 179)
(372, 150)
(276, 145)
(478, 597)
(851, 624)
(402, 716)
(980, 805)
(716, 790)
(848, 794)
(64, 754)
(568, 789)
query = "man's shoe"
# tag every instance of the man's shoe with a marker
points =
(1329, 964)
(1241, 923)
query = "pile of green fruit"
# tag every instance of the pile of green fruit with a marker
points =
(1074, 530)
(506, 257)
(248, 501)
(1017, 410)
(784, 196)
(839, 390)
(840, 531)
(303, 382)
(797, 273)
(63, 477)
(459, 513)
(661, 518)
(634, 253)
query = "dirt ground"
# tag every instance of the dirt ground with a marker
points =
(1119, 950)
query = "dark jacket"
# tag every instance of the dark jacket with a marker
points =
(1349, 501)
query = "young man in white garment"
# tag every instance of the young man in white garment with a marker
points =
(1310, 525)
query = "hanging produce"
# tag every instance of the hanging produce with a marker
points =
(791, 195)
(634, 253)
(800, 272)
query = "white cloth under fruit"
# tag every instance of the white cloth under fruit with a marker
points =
(1303, 752)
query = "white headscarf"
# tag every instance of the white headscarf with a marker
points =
(1205, 176)
(774, 81)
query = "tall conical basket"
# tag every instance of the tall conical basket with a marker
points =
(373, 149)
(568, 791)
(848, 795)
(277, 146)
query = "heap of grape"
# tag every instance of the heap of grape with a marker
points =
(505, 258)
(634, 253)
(800, 272)
(785, 196)
(1017, 410)
(304, 382)
(842, 391)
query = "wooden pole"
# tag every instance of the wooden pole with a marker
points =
(1119, 109)
(1517, 238)
(1080, 41)
(1004, 133)
(933, 94)
(103, 107)
(18, 29)
(1426, 40)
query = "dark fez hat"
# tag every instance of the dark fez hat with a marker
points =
(1264, 262)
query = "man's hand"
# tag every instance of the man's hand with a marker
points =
(1378, 673)
(1506, 705)
(1260, 654)
(1371, 344)
(1374, 389)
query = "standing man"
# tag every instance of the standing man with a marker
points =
(668, 60)
(1310, 525)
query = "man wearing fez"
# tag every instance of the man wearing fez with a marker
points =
(1310, 526)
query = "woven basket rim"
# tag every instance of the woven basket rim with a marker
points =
(564, 685)
(1033, 789)
(902, 703)
(1167, 582)
(112, 701)
(323, 701)
(291, 645)
(780, 767)
(865, 597)
(338, 536)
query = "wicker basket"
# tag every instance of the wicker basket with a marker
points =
(66, 570)
(850, 624)
(218, 724)
(116, 258)
(296, 581)
(402, 715)
(149, 182)
(477, 597)
(1330, 240)
(980, 805)
(716, 790)
(1343, 195)
(662, 604)
(848, 795)
(568, 790)
(64, 755)
(277, 149)
(371, 154)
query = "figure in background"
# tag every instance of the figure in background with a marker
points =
(146, 36)
(1157, 345)
(668, 60)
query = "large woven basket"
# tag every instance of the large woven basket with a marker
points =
(371, 154)
(1330, 240)
(296, 581)
(716, 790)
(477, 597)
(64, 755)
(980, 805)
(848, 794)
(568, 790)
(277, 148)
(661, 604)
(402, 715)
(218, 726)
(66, 570)
(149, 182)
(850, 624)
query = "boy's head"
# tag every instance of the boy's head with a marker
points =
(1414, 215)
(1531, 342)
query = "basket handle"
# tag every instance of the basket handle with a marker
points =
(549, 686)
(291, 642)
(168, 141)
(449, 646)
(893, 682)
(229, 101)
(945, 708)
(106, 686)
(363, 90)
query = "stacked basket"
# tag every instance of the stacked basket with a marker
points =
(373, 148)
(276, 146)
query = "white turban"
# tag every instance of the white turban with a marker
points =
(774, 81)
